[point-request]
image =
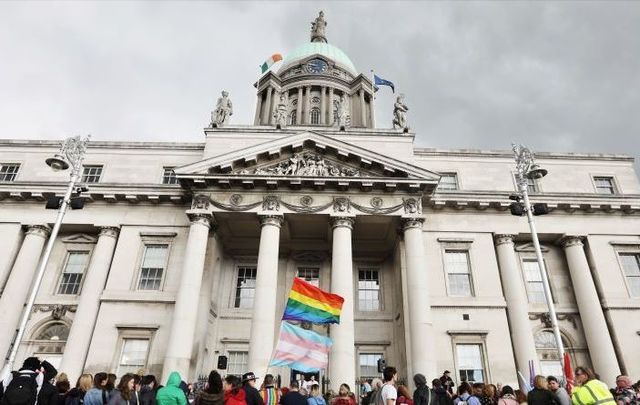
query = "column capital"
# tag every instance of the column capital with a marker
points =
(271, 219)
(199, 216)
(346, 222)
(111, 231)
(571, 240)
(39, 230)
(503, 238)
(408, 223)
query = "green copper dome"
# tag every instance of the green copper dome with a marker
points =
(319, 48)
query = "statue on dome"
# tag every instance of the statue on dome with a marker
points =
(400, 113)
(341, 112)
(280, 114)
(224, 110)
(318, 29)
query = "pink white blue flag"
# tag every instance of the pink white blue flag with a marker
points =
(301, 349)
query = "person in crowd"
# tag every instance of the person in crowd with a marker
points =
(488, 395)
(365, 389)
(269, 393)
(476, 394)
(389, 394)
(252, 396)
(137, 386)
(625, 394)
(374, 397)
(304, 392)
(507, 396)
(345, 396)
(540, 394)
(561, 394)
(440, 394)
(123, 393)
(48, 391)
(212, 393)
(521, 397)
(315, 396)
(171, 394)
(464, 392)
(24, 385)
(62, 386)
(404, 396)
(589, 390)
(98, 394)
(233, 392)
(76, 395)
(422, 393)
(148, 390)
(447, 381)
(111, 384)
(293, 396)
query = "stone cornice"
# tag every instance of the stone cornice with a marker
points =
(507, 154)
(292, 130)
(170, 146)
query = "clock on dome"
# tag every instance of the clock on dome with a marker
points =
(317, 66)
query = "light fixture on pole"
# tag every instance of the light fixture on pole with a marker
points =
(71, 154)
(527, 169)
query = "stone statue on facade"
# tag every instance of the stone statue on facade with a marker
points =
(400, 113)
(318, 29)
(224, 110)
(341, 112)
(280, 114)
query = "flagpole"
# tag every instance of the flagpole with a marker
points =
(373, 100)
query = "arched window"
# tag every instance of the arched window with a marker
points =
(293, 120)
(49, 340)
(55, 331)
(547, 350)
(315, 116)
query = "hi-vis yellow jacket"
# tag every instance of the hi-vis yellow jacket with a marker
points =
(594, 392)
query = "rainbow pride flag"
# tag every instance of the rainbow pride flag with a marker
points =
(308, 303)
(300, 349)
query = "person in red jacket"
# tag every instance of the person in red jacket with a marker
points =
(233, 392)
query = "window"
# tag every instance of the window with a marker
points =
(448, 181)
(456, 264)
(604, 185)
(133, 356)
(310, 274)
(169, 176)
(631, 267)
(238, 362)
(294, 118)
(9, 171)
(533, 278)
(152, 268)
(369, 365)
(546, 348)
(245, 287)
(91, 174)
(315, 116)
(73, 270)
(532, 185)
(51, 339)
(470, 362)
(368, 290)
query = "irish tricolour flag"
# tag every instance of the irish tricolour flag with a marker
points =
(276, 57)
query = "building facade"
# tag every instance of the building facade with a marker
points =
(185, 252)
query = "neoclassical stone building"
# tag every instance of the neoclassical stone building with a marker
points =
(185, 252)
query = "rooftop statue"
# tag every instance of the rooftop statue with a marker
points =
(318, 29)
(400, 113)
(224, 110)
(280, 113)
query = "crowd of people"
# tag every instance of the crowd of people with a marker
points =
(39, 383)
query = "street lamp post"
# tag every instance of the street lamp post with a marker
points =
(71, 155)
(526, 168)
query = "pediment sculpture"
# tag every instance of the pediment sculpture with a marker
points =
(305, 164)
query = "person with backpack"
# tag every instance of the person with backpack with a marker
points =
(22, 387)
(374, 397)
(76, 395)
(212, 394)
(422, 393)
(464, 392)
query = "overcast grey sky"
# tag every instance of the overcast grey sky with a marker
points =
(559, 76)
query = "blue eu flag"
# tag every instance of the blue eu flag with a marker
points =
(382, 82)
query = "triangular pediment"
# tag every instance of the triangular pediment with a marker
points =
(307, 157)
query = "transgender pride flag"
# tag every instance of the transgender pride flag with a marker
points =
(301, 349)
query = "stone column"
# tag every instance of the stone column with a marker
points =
(307, 105)
(299, 107)
(331, 121)
(323, 105)
(603, 356)
(19, 283)
(263, 323)
(75, 352)
(342, 355)
(266, 111)
(363, 110)
(256, 120)
(515, 294)
(423, 350)
(185, 312)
